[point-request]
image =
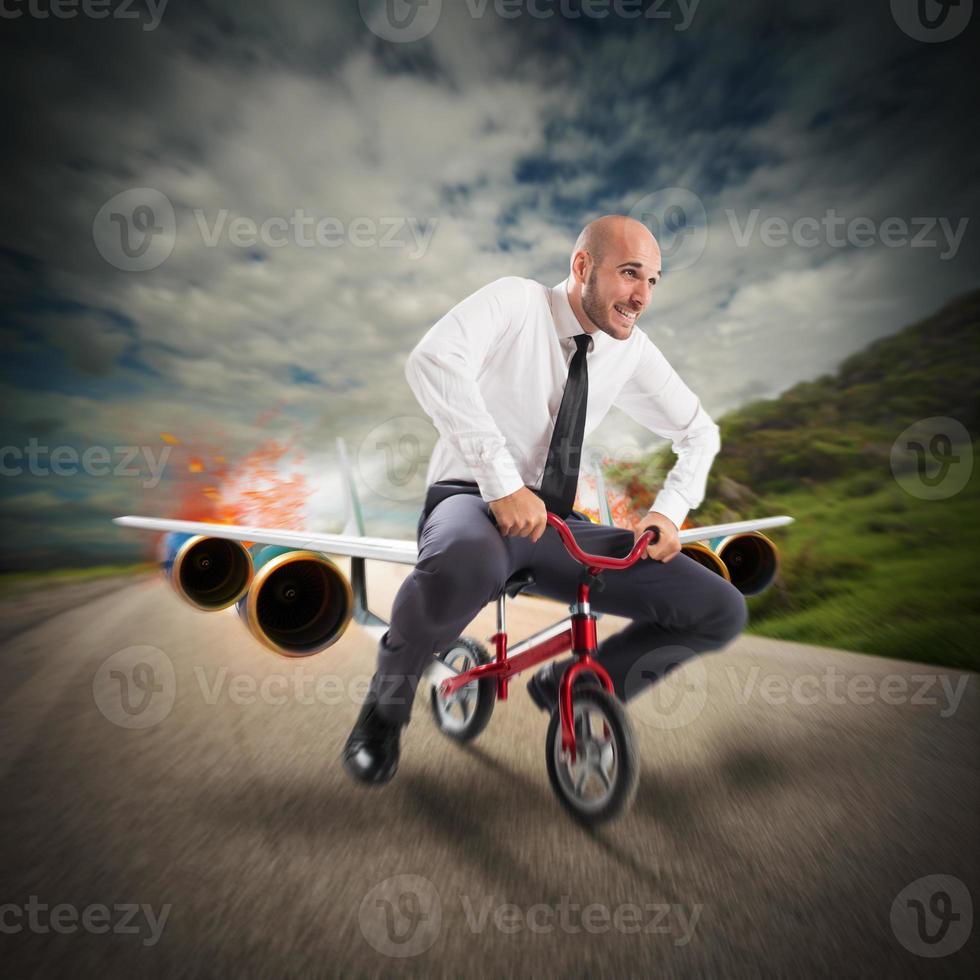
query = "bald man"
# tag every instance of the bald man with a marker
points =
(491, 375)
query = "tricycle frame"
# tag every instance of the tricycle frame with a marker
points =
(576, 634)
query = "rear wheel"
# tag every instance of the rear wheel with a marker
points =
(466, 712)
(602, 781)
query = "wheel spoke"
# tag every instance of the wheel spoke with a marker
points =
(603, 776)
(592, 786)
(465, 712)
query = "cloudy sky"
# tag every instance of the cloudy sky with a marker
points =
(224, 225)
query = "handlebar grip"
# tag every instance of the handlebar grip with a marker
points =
(650, 536)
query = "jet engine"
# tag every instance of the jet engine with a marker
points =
(749, 561)
(299, 602)
(703, 555)
(208, 573)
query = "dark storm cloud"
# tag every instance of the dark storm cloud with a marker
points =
(492, 141)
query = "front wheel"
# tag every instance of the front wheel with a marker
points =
(602, 781)
(465, 713)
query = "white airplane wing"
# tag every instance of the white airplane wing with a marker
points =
(356, 545)
(354, 518)
(692, 534)
(382, 549)
(605, 517)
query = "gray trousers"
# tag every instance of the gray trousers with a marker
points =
(678, 609)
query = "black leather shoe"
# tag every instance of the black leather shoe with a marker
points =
(543, 686)
(371, 751)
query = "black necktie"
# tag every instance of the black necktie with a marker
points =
(560, 480)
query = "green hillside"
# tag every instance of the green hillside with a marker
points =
(867, 566)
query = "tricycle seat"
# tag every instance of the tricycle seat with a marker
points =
(519, 581)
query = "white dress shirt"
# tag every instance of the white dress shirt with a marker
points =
(491, 374)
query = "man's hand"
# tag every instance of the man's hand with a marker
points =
(669, 545)
(521, 514)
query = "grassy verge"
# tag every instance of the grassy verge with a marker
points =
(14, 581)
(867, 567)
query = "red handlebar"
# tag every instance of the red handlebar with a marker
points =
(651, 535)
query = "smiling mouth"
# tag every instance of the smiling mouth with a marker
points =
(626, 314)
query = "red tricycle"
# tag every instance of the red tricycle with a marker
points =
(589, 748)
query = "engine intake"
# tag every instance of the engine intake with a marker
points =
(751, 559)
(208, 573)
(703, 555)
(299, 603)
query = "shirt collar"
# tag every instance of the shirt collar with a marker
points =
(566, 322)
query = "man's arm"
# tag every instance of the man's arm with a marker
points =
(442, 372)
(656, 397)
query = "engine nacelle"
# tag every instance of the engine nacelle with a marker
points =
(299, 602)
(752, 561)
(749, 561)
(703, 555)
(208, 573)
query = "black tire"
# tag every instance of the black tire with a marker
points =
(617, 789)
(478, 697)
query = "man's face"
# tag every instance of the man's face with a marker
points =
(619, 288)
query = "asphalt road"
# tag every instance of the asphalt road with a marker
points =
(179, 810)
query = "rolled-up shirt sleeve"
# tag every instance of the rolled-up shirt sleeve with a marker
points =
(443, 372)
(657, 398)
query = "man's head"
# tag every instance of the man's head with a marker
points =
(615, 266)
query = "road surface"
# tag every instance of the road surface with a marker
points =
(173, 805)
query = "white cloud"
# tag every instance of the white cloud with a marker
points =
(301, 107)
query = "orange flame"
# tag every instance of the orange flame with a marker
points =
(263, 487)
(621, 507)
